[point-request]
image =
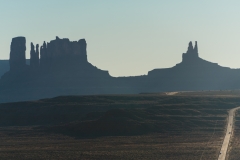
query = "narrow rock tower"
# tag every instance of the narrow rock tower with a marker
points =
(195, 50)
(17, 59)
(34, 57)
(190, 48)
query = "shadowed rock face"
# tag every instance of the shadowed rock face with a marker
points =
(43, 54)
(63, 52)
(34, 57)
(63, 69)
(17, 55)
(191, 54)
(194, 73)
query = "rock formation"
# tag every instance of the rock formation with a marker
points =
(63, 69)
(62, 52)
(43, 55)
(192, 53)
(37, 54)
(195, 50)
(34, 57)
(17, 54)
(190, 48)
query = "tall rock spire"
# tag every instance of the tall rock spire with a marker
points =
(37, 52)
(34, 59)
(191, 54)
(43, 54)
(32, 55)
(190, 47)
(83, 49)
(17, 54)
(196, 48)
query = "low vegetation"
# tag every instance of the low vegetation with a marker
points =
(144, 126)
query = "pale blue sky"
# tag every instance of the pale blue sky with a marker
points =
(128, 37)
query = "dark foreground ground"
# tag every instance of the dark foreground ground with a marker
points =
(145, 126)
(28, 144)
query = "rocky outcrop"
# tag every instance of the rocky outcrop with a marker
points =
(17, 54)
(37, 56)
(195, 50)
(190, 48)
(34, 57)
(43, 55)
(63, 53)
(191, 66)
(65, 70)
(192, 53)
(83, 49)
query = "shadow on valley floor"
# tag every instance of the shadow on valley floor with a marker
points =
(120, 115)
(145, 126)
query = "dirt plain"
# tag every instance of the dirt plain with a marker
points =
(144, 126)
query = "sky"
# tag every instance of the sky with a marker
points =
(128, 37)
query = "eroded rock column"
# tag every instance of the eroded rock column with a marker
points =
(17, 59)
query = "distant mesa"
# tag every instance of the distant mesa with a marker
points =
(61, 67)
(56, 51)
(58, 55)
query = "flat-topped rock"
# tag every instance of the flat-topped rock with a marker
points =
(17, 54)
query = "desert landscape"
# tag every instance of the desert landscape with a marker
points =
(144, 126)
(119, 80)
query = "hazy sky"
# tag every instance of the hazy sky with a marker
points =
(128, 37)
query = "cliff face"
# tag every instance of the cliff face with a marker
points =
(17, 59)
(63, 52)
(55, 56)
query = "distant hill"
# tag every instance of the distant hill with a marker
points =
(60, 67)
